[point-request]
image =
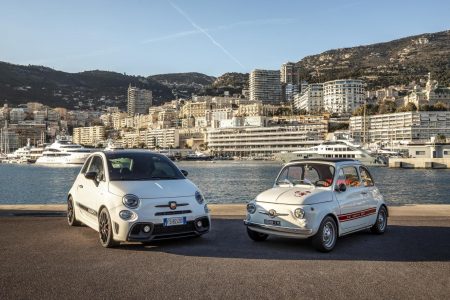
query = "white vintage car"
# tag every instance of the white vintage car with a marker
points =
(136, 196)
(318, 198)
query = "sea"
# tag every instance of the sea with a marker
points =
(222, 182)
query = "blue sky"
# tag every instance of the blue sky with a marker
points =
(144, 37)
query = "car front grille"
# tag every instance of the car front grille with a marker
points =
(173, 212)
(159, 229)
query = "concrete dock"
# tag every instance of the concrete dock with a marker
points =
(42, 257)
(420, 163)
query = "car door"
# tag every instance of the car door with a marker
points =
(371, 195)
(80, 190)
(92, 191)
(351, 201)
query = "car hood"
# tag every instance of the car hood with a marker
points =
(153, 189)
(295, 195)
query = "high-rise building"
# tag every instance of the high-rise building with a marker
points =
(265, 86)
(290, 74)
(139, 101)
(343, 95)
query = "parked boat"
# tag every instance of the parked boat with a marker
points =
(63, 151)
(335, 149)
(197, 155)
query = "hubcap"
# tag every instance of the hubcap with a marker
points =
(104, 228)
(328, 235)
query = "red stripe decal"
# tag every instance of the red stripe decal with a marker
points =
(357, 214)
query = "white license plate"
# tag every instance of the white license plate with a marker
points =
(272, 222)
(174, 221)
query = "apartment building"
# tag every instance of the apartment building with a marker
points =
(396, 127)
(289, 74)
(265, 86)
(343, 96)
(311, 99)
(89, 136)
(139, 101)
(264, 141)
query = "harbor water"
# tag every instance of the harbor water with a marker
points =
(222, 182)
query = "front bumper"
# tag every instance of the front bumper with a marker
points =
(160, 232)
(279, 230)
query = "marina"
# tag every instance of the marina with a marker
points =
(221, 182)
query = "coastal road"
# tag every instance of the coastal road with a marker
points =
(41, 257)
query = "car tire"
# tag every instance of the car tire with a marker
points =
(257, 236)
(380, 225)
(105, 232)
(326, 237)
(71, 217)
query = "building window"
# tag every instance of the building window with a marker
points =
(420, 152)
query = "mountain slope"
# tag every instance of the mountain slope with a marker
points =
(191, 78)
(20, 84)
(382, 64)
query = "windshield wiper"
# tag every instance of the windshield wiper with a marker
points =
(164, 177)
(305, 181)
(285, 181)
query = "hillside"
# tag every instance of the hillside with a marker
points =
(382, 64)
(20, 84)
(191, 78)
(233, 79)
(183, 85)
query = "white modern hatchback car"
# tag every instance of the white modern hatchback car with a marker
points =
(136, 195)
(318, 198)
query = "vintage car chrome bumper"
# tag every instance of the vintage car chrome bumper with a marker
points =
(275, 229)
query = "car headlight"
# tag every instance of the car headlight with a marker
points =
(199, 197)
(126, 214)
(251, 208)
(299, 213)
(130, 201)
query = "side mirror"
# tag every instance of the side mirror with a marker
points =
(91, 176)
(184, 172)
(341, 188)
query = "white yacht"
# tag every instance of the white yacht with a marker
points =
(19, 156)
(35, 153)
(63, 151)
(334, 149)
(112, 146)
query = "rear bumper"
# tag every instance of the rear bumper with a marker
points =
(278, 230)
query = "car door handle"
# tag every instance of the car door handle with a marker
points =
(80, 186)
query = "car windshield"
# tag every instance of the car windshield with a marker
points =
(313, 174)
(141, 166)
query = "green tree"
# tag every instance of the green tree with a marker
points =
(440, 107)
(408, 107)
(387, 107)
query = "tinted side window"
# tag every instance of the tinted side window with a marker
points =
(97, 166)
(86, 165)
(366, 177)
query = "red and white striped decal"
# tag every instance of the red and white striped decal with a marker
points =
(357, 214)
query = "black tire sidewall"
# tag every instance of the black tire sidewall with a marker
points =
(110, 240)
(256, 236)
(72, 222)
(376, 227)
(318, 238)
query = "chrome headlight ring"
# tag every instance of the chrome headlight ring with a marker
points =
(131, 201)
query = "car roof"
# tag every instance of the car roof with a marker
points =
(124, 151)
(337, 161)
